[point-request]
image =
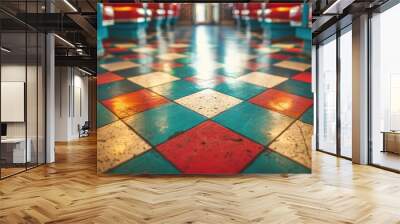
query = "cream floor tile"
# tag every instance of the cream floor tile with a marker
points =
(208, 102)
(179, 45)
(293, 65)
(206, 65)
(144, 50)
(262, 79)
(295, 143)
(115, 66)
(125, 45)
(117, 143)
(153, 79)
(208, 76)
(283, 45)
(247, 56)
(267, 50)
(171, 56)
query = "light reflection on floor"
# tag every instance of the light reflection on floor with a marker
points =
(205, 100)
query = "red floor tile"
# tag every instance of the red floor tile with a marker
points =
(295, 50)
(210, 149)
(165, 66)
(303, 77)
(115, 50)
(134, 56)
(279, 56)
(135, 102)
(176, 50)
(209, 83)
(255, 66)
(107, 78)
(283, 102)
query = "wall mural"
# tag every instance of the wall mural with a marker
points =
(204, 98)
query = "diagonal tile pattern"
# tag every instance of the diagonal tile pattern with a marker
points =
(295, 143)
(152, 79)
(121, 143)
(210, 148)
(262, 79)
(224, 104)
(208, 102)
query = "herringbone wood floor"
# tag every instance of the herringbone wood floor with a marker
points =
(70, 191)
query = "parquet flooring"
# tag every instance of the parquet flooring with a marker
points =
(70, 191)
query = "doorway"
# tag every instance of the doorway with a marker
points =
(206, 13)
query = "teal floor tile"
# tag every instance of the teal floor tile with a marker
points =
(264, 60)
(273, 70)
(232, 73)
(177, 89)
(184, 60)
(109, 60)
(144, 61)
(104, 116)
(254, 122)
(238, 89)
(113, 89)
(296, 87)
(272, 162)
(162, 123)
(301, 59)
(150, 162)
(130, 72)
(101, 70)
(184, 71)
(308, 116)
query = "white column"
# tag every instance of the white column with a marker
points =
(360, 90)
(50, 100)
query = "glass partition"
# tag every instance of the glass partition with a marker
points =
(14, 153)
(346, 93)
(385, 90)
(22, 88)
(327, 96)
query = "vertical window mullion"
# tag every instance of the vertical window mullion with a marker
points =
(338, 73)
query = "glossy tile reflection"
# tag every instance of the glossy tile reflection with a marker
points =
(208, 102)
(118, 144)
(210, 148)
(295, 143)
(204, 100)
(263, 79)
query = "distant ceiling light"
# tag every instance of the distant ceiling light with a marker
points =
(337, 7)
(70, 5)
(64, 40)
(84, 71)
(5, 50)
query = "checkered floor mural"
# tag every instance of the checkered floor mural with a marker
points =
(204, 100)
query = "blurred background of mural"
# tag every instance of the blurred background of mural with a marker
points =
(204, 88)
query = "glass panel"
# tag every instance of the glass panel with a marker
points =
(22, 81)
(346, 94)
(41, 99)
(327, 96)
(385, 84)
(13, 87)
(31, 99)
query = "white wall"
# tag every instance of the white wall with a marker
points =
(16, 73)
(33, 127)
(71, 102)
